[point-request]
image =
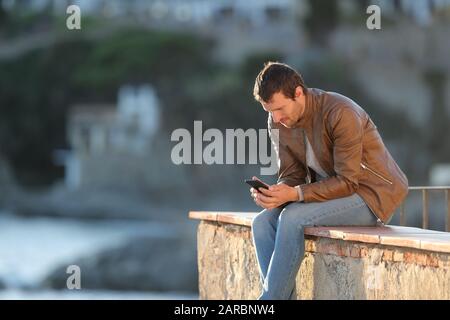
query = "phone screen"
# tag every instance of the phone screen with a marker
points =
(257, 184)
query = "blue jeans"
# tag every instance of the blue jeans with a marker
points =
(278, 237)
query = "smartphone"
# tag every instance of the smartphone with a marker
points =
(257, 184)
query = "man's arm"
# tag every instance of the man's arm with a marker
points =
(346, 128)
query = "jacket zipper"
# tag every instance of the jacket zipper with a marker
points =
(308, 173)
(375, 173)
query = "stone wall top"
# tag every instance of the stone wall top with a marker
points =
(406, 237)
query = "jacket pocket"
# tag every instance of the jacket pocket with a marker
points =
(365, 167)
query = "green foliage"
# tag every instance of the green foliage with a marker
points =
(21, 21)
(138, 55)
(323, 18)
(37, 88)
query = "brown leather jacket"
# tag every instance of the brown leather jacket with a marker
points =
(348, 147)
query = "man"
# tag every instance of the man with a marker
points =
(333, 170)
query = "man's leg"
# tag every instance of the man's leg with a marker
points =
(289, 240)
(264, 226)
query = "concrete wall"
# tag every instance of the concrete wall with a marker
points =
(332, 268)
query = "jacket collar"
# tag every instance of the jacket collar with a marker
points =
(305, 118)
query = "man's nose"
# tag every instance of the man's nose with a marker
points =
(275, 117)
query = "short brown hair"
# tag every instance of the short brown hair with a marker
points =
(276, 77)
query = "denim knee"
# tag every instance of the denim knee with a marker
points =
(291, 218)
(261, 221)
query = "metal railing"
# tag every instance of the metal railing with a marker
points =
(425, 213)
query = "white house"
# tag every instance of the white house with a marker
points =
(101, 135)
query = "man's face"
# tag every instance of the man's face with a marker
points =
(284, 110)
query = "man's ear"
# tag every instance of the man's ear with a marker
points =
(298, 92)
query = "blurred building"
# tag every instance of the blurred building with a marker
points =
(239, 27)
(421, 12)
(400, 68)
(112, 145)
(440, 174)
(194, 11)
(199, 11)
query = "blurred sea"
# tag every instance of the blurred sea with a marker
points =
(31, 247)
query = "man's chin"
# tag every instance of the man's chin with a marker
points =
(287, 125)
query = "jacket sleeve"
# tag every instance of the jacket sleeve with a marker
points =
(346, 130)
(290, 170)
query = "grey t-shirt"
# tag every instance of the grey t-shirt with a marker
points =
(313, 163)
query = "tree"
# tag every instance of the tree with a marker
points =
(323, 18)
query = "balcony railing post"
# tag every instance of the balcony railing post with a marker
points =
(425, 209)
(402, 214)
(425, 212)
(447, 197)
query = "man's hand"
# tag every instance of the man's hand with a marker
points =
(275, 196)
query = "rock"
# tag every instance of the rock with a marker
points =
(143, 263)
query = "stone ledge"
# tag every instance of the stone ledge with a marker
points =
(406, 237)
(334, 267)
